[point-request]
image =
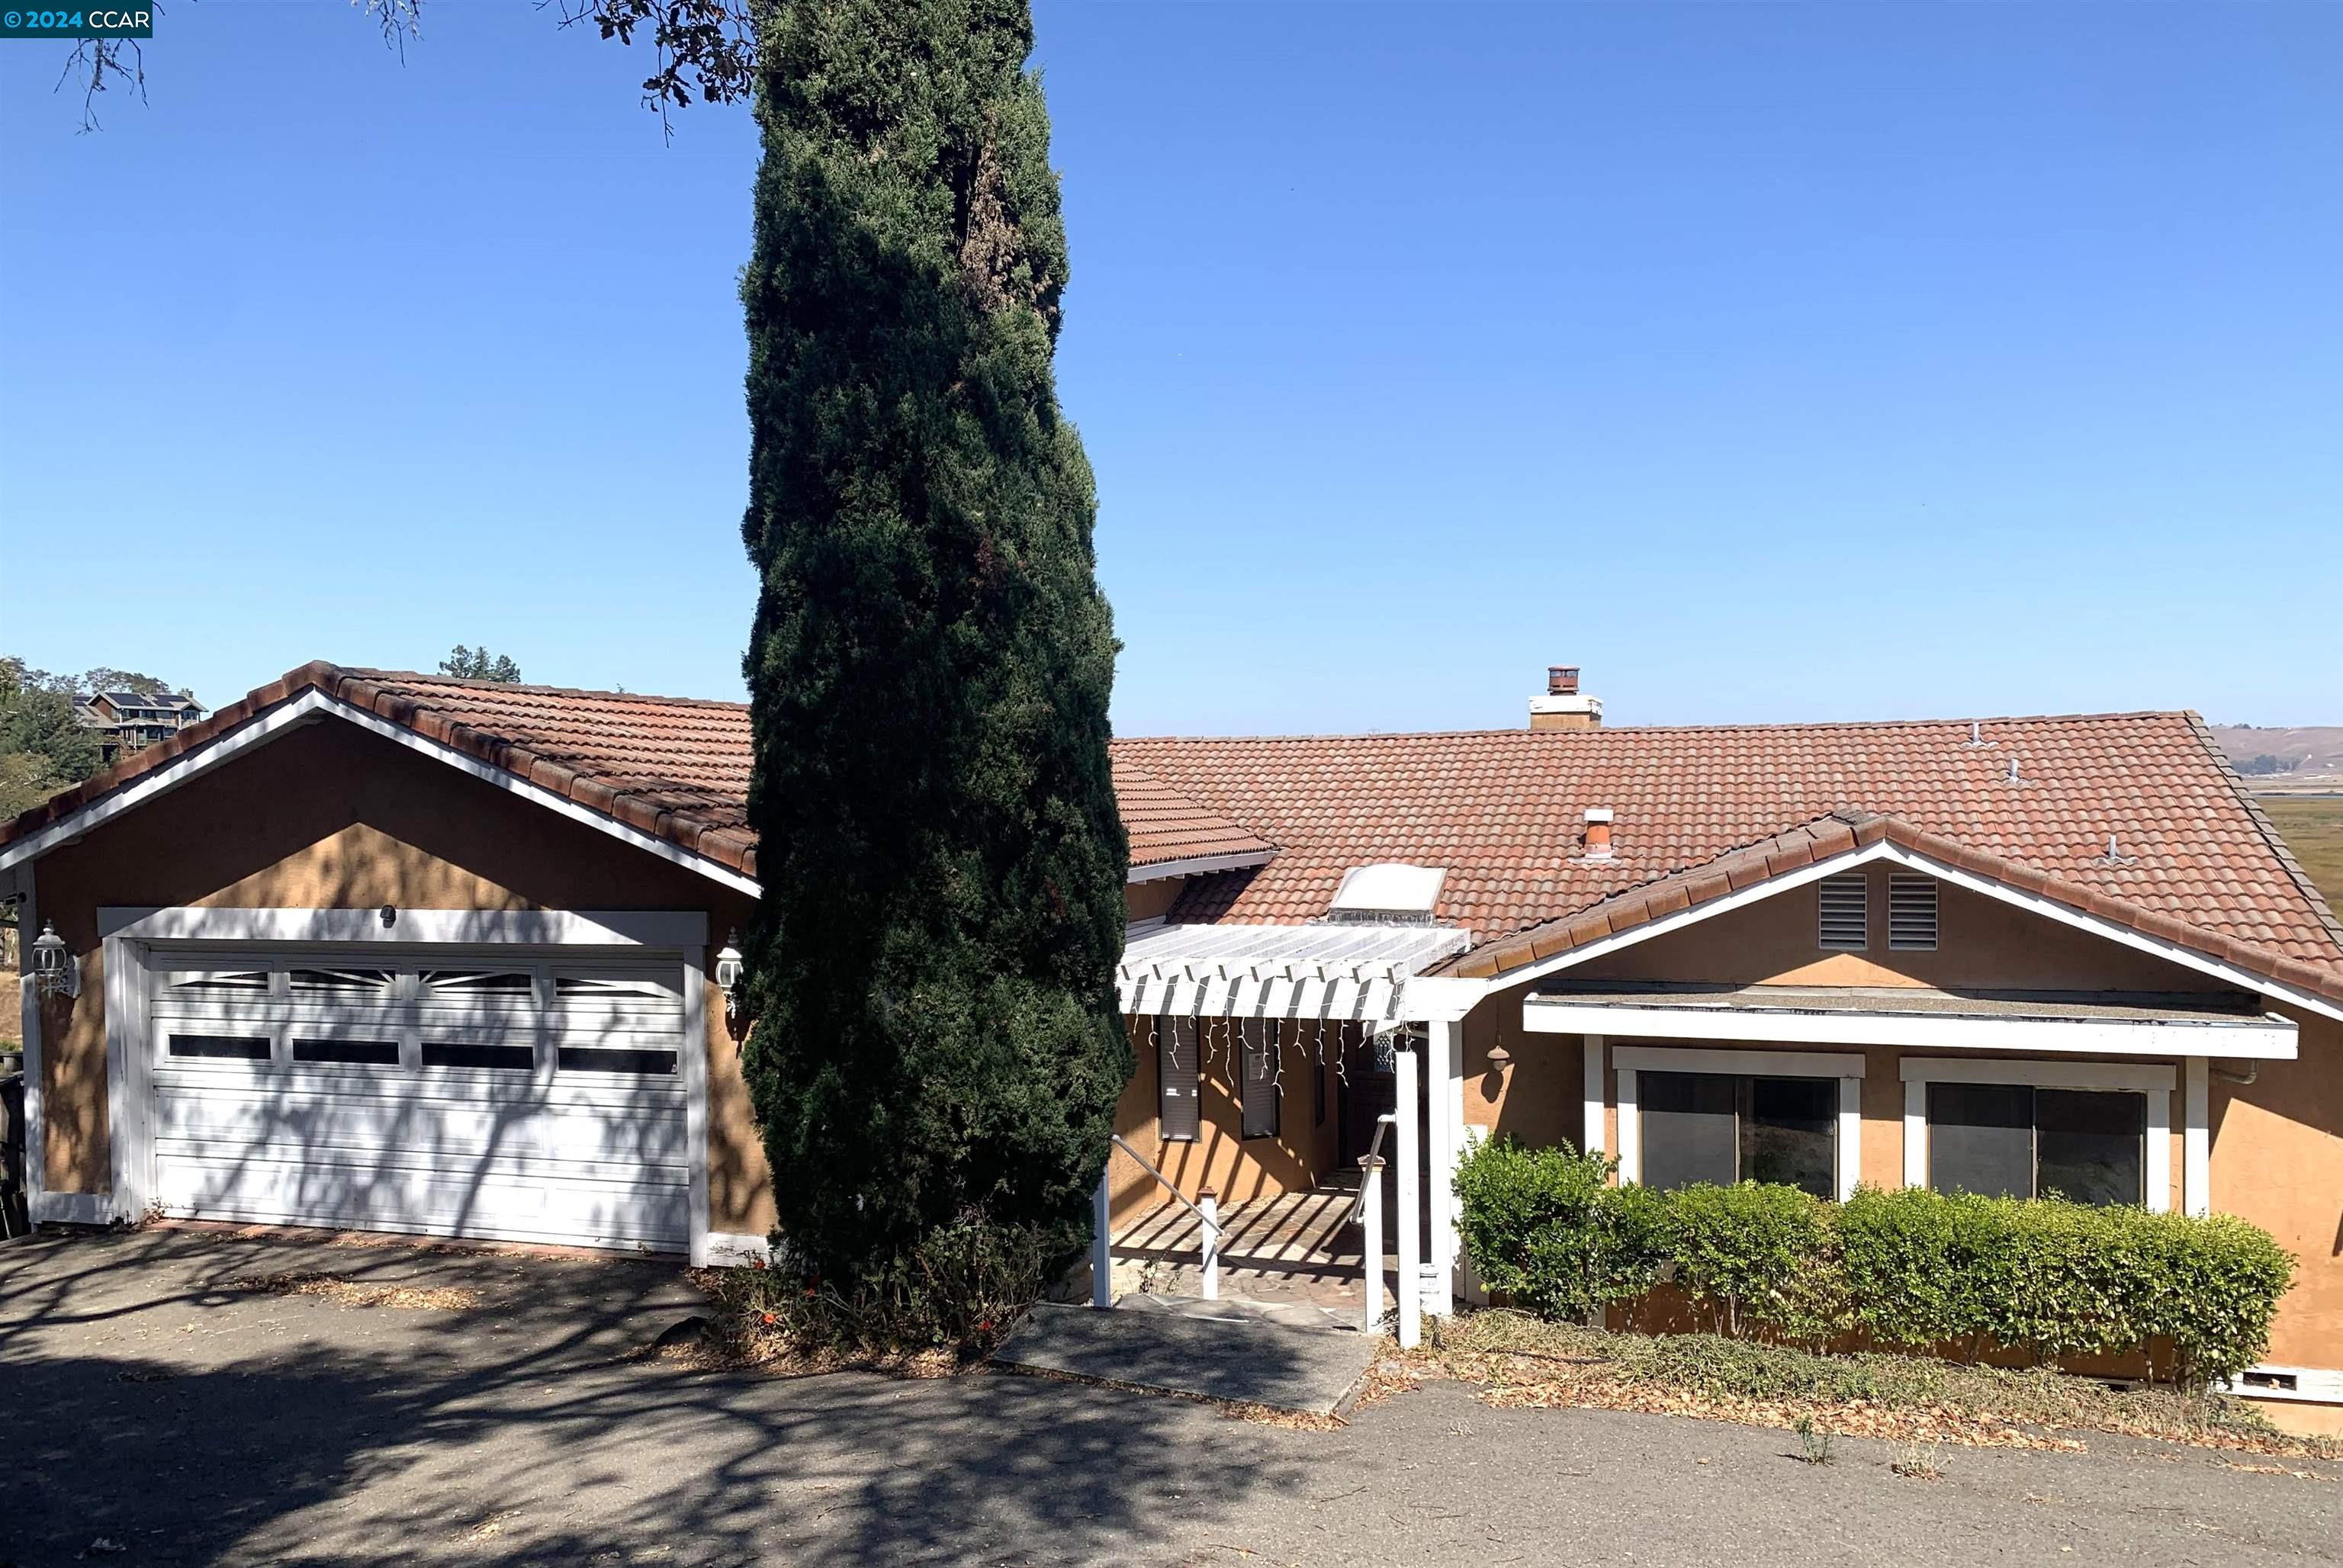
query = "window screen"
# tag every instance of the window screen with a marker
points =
(1981, 1139)
(1721, 1128)
(1176, 1075)
(1688, 1132)
(1259, 1054)
(2009, 1141)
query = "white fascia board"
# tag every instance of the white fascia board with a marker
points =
(312, 704)
(2141, 1078)
(2271, 1039)
(2049, 909)
(1199, 866)
(1781, 1063)
(534, 927)
(1436, 999)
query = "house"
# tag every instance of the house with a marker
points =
(410, 954)
(127, 721)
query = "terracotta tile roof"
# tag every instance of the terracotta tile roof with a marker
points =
(671, 767)
(1840, 834)
(1503, 811)
(1165, 825)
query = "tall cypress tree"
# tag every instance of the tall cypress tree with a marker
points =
(938, 1042)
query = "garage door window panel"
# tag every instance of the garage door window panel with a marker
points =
(347, 1052)
(218, 1046)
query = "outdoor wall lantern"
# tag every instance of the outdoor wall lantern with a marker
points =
(727, 979)
(54, 970)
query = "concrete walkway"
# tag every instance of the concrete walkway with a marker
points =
(1226, 1351)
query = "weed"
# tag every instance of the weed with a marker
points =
(1917, 1460)
(1815, 1439)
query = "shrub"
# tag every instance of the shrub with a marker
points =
(957, 1290)
(1912, 1268)
(1755, 1255)
(2210, 1287)
(1543, 1227)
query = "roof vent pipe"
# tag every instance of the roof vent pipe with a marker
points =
(1598, 832)
(2012, 771)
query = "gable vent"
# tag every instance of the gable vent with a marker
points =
(1912, 912)
(1846, 923)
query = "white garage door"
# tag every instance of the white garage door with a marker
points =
(450, 1091)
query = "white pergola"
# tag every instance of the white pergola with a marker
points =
(1330, 971)
(1337, 973)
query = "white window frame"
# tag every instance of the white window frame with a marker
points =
(1848, 1069)
(2154, 1081)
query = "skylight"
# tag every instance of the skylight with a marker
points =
(1390, 891)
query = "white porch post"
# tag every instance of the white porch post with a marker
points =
(1593, 1141)
(2196, 1138)
(1409, 1221)
(1446, 1089)
(1101, 1240)
(1631, 1129)
(1850, 1136)
(1915, 1133)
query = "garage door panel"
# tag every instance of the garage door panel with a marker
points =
(581, 1139)
(428, 1201)
(246, 1122)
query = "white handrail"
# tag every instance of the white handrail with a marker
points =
(1374, 1148)
(1151, 1170)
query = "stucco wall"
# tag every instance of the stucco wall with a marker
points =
(1982, 942)
(330, 817)
(1222, 1160)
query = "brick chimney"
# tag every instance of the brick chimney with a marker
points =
(1562, 707)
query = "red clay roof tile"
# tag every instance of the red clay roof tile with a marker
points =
(1698, 811)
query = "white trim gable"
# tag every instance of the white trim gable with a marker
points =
(309, 706)
(1897, 855)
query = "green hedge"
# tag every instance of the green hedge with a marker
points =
(1907, 1270)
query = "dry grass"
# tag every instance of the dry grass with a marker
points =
(355, 1293)
(1920, 1404)
(2313, 829)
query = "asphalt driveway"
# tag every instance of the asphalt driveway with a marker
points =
(183, 1397)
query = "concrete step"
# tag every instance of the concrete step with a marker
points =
(1230, 1354)
(1243, 1309)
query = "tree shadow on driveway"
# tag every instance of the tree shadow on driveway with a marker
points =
(211, 1424)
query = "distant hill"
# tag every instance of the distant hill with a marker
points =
(2309, 756)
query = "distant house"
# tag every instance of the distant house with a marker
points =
(128, 721)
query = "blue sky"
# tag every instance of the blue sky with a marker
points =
(1771, 362)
